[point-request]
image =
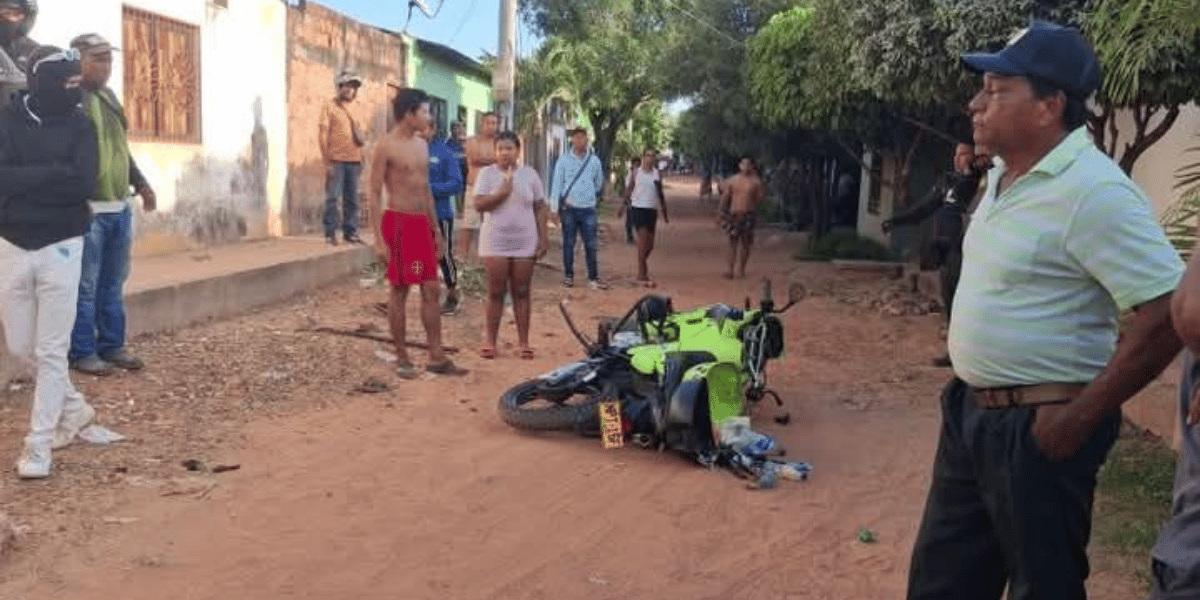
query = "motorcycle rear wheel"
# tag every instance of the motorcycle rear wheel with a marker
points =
(557, 413)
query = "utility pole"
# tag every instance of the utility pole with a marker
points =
(504, 79)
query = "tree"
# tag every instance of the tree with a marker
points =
(606, 54)
(707, 64)
(1153, 64)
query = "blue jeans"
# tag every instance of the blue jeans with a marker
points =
(579, 221)
(100, 313)
(342, 180)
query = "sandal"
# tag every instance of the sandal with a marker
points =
(527, 354)
(445, 368)
(487, 353)
(406, 370)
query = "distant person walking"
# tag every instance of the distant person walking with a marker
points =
(481, 153)
(634, 164)
(341, 143)
(513, 237)
(646, 198)
(98, 341)
(738, 216)
(575, 189)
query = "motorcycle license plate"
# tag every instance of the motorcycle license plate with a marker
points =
(610, 424)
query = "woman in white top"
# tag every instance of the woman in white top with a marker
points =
(512, 237)
(645, 197)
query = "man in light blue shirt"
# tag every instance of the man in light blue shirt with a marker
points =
(575, 189)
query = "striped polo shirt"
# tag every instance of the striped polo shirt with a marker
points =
(1049, 264)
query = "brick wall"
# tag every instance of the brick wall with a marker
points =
(322, 43)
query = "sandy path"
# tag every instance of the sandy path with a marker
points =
(424, 493)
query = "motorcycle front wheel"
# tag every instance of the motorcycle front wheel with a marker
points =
(535, 405)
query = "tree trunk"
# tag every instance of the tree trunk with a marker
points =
(1143, 139)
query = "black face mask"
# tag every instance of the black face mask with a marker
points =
(49, 96)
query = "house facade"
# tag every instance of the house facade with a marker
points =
(460, 88)
(321, 43)
(205, 90)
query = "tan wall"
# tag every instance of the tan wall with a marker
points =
(1155, 169)
(323, 43)
(1154, 172)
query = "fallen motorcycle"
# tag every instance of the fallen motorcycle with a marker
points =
(684, 381)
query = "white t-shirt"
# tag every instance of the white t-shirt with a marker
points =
(645, 193)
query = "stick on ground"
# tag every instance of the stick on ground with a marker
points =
(378, 338)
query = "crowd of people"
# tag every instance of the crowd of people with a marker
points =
(1043, 241)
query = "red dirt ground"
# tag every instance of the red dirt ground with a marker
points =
(422, 492)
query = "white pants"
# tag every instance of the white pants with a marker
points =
(39, 290)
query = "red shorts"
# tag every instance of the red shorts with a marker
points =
(409, 239)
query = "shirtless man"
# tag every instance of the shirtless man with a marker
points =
(407, 237)
(739, 200)
(481, 152)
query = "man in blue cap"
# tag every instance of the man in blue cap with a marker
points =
(1061, 243)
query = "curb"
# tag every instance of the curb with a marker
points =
(177, 306)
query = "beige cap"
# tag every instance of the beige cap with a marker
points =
(93, 42)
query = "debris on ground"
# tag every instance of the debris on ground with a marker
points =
(10, 535)
(900, 300)
(867, 536)
(373, 385)
(755, 456)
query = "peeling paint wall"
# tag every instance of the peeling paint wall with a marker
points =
(231, 185)
(323, 43)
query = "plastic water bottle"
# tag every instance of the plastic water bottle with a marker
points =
(796, 471)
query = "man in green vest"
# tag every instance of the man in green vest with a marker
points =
(98, 340)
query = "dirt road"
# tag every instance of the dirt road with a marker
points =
(421, 492)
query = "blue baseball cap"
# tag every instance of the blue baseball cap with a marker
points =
(1048, 51)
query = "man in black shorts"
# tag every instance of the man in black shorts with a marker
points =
(644, 196)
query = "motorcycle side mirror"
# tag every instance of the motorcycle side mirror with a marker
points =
(796, 293)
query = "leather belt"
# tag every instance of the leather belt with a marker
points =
(1026, 395)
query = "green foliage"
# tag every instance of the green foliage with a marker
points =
(707, 63)
(1133, 500)
(1150, 50)
(1181, 219)
(845, 245)
(778, 61)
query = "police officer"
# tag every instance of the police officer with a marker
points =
(952, 201)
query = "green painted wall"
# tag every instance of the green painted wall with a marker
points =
(442, 81)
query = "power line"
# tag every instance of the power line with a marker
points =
(714, 28)
(465, 18)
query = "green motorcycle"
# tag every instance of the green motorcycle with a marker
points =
(679, 378)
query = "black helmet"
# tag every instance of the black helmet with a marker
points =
(10, 32)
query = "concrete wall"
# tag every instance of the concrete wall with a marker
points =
(231, 185)
(1155, 169)
(323, 42)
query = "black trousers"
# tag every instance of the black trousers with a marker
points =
(949, 271)
(1001, 512)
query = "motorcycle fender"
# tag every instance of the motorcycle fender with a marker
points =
(717, 384)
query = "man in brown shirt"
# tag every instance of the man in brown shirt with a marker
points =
(341, 147)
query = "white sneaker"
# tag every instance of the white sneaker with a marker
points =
(34, 463)
(70, 425)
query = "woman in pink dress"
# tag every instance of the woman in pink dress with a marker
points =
(511, 239)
